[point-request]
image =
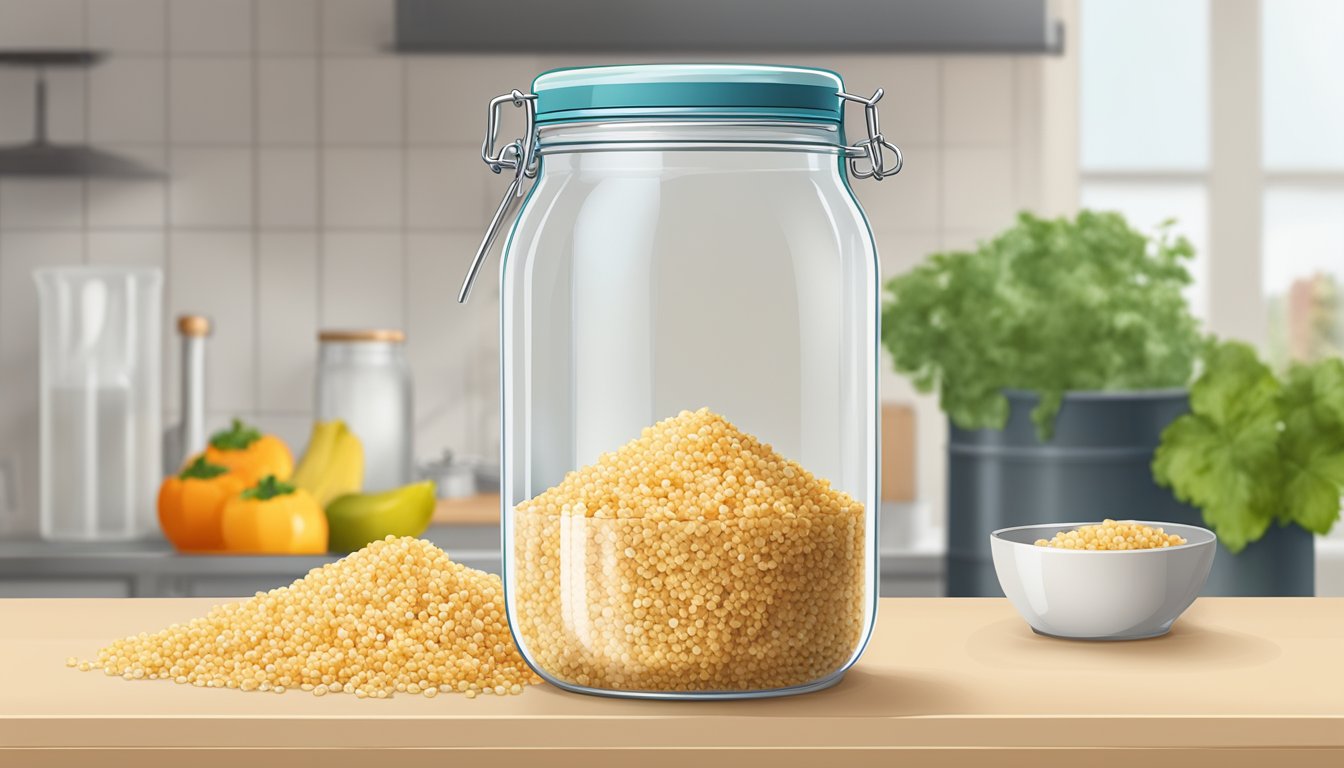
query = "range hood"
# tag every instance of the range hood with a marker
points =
(40, 157)
(728, 26)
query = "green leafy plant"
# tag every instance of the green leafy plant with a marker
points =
(1258, 449)
(1050, 305)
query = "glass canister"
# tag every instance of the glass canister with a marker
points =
(364, 380)
(99, 356)
(689, 301)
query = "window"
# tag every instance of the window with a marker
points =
(1302, 268)
(1144, 118)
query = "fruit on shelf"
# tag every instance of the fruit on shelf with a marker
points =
(191, 504)
(333, 464)
(250, 454)
(359, 518)
(274, 518)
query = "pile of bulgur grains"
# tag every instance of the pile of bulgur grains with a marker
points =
(694, 558)
(395, 617)
(1113, 536)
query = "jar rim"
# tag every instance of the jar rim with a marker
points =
(711, 91)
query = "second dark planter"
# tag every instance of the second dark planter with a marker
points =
(1096, 466)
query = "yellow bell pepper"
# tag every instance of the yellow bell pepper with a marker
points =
(191, 504)
(250, 454)
(274, 518)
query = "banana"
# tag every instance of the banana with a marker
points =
(356, 519)
(333, 464)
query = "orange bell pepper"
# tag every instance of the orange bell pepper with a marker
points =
(191, 504)
(250, 454)
(274, 518)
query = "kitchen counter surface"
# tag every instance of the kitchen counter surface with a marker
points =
(943, 682)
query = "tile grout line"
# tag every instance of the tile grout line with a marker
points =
(940, 79)
(84, 180)
(256, 210)
(165, 148)
(402, 68)
(319, 141)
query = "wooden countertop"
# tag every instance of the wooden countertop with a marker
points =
(944, 682)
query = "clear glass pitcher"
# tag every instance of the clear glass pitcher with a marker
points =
(689, 301)
(101, 440)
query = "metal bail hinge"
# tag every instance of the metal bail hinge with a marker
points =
(520, 156)
(873, 147)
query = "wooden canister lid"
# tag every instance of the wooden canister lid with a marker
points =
(193, 325)
(373, 334)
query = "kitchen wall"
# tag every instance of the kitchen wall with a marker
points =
(313, 179)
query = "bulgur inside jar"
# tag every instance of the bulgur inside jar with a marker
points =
(694, 558)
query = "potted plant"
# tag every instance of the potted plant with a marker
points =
(1263, 457)
(1060, 351)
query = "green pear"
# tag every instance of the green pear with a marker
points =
(356, 519)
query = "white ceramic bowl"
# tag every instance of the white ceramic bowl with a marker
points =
(1101, 595)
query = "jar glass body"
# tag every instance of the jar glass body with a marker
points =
(367, 384)
(657, 269)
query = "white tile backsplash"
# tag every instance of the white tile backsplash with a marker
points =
(121, 203)
(356, 26)
(42, 23)
(37, 203)
(287, 311)
(440, 336)
(211, 187)
(978, 109)
(287, 26)
(210, 273)
(361, 100)
(16, 93)
(361, 187)
(127, 100)
(978, 188)
(128, 26)
(287, 100)
(446, 96)
(142, 248)
(313, 178)
(447, 188)
(210, 101)
(362, 280)
(286, 188)
(210, 26)
(67, 105)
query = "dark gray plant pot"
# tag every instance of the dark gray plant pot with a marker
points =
(1097, 465)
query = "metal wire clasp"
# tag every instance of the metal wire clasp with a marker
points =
(873, 146)
(520, 156)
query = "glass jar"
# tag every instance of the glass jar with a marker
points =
(689, 399)
(363, 379)
(99, 410)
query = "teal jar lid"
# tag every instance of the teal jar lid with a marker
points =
(688, 90)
